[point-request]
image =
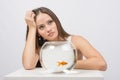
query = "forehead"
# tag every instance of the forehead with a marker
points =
(42, 18)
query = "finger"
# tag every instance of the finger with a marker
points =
(28, 13)
(33, 15)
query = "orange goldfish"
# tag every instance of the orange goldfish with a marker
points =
(62, 63)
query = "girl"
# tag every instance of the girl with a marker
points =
(43, 25)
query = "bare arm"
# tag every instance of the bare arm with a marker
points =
(94, 59)
(30, 55)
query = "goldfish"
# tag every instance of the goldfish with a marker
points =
(62, 63)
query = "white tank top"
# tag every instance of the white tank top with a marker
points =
(69, 38)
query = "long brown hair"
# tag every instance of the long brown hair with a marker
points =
(61, 32)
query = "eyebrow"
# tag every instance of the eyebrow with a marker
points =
(46, 21)
(40, 25)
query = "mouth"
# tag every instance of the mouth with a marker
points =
(51, 34)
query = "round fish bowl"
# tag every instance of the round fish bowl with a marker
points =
(58, 56)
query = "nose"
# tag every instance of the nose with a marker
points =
(48, 28)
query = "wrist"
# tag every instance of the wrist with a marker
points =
(32, 29)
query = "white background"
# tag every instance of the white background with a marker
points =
(96, 20)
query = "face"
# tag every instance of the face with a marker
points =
(46, 27)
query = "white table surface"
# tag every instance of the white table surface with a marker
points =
(40, 74)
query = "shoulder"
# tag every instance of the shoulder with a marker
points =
(78, 40)
(74, 37)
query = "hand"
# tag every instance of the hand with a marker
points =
(29, 19)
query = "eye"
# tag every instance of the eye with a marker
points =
(41, 27)
(50, 22)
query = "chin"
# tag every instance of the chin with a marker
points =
(53, 39)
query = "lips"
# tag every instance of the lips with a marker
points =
(51, 34)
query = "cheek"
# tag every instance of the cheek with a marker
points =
(55, 28)
(38, 31)
(42, 33)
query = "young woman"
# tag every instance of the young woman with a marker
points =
(43, 25)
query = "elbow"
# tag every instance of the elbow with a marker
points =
(27, 64)
(103, 66)
(28, 67)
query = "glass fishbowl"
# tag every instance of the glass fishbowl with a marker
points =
(58, 56)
